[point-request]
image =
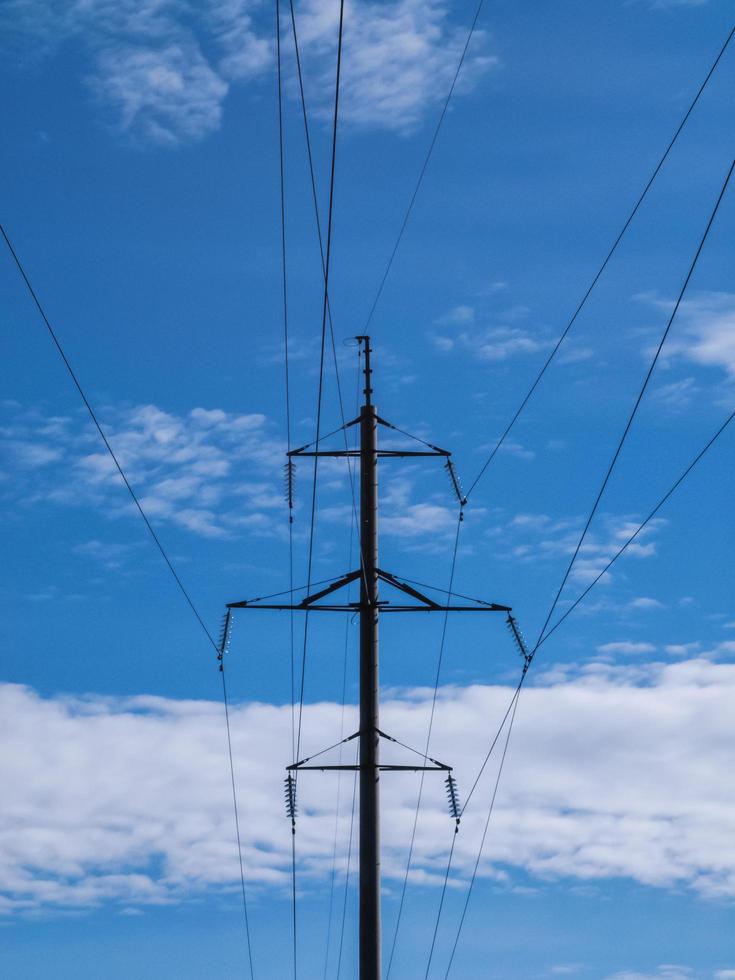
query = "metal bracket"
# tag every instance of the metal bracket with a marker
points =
(426, 604)
(435, 766)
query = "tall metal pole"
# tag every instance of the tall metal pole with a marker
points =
(369, 608)
(370, 940)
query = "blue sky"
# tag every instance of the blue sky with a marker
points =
(140, 164)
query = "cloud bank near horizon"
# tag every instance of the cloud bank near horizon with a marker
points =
(613, 772)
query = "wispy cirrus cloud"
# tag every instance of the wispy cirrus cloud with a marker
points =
(541, 537)
(89, 815)
(704, 336)
(489, 337)
(666, 971)
(399, 59)
(161, 70)
(208, 471)
(626, 648)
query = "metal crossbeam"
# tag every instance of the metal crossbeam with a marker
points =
(426, 604)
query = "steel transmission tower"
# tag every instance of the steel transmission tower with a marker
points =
(369, 608)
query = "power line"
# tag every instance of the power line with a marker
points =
(354, 784)
(453, 565)
(349, 859)
(348, 619)
(543, 635)
(441, 906)
(603, 266)
(108, 447)
(639, 398)
(321, 356)
(237, 817)
(514, 701)
(482, 842)
(325, 308)
(159, 545)
(516, 695)
(640, 527)
(318, 224)
(424, 166)
(289, 465)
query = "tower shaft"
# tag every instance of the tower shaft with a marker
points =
(370, 937)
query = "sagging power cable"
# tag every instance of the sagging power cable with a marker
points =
(291, 786)
(529, 656)
(638, 400)
(424, 166)
(159, 545)
(597, 276)
(322, 256)
(312, 522)
(327, 258)
(442, 643)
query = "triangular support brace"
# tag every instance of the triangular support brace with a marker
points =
(309, 763)
(423, 603)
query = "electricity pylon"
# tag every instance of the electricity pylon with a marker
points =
(369, 608)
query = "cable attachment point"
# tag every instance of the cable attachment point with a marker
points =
(290, 794)
(453, 800)
(289, 472)
(224, 637)
(456, 485)
(519, 642)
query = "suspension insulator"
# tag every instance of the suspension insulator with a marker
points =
(456, 485)
(453, 798)
(519, 641)
(290, 794)
(289, 472)
(224, 637)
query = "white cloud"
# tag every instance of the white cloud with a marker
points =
(705, 331)
(682, 649)
(677, 395)
(398, 60)
(491, 337)
(245, 54)
(626, 647)
(663, 972)
(89, 814)
(645, 602)
(500, 343)
(457, 316)
(673, 4)
(540, 537)
(422, 524)
(205, 470)
(164, 67)
(164, 95)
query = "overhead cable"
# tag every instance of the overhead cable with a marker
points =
(159, 545)
(611, 251)
(481, 848)
(516, 694)
(674, 486)
(424, 166)
(639, 398)
(290, 468)
(432, 712)
(317, 220)
(348, 620)
(320, 387)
